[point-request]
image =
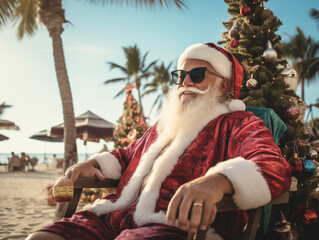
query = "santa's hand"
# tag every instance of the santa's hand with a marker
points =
(194, 203)
(88, 168)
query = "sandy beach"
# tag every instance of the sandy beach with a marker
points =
(23, 201)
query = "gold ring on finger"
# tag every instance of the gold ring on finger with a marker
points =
(198, 204)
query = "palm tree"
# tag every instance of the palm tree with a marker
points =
(135, 71)
(161, 82)
(3, 106)
(51, 14)
(303, 51)
(314, 13)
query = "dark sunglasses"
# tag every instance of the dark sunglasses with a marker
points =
(197, 75)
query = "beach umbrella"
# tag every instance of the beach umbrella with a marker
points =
(45, 136)
(6, 124)
(89, 127)
(2, 137)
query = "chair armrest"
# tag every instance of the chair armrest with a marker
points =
(70, 208)
(94, 183)
(227, 204)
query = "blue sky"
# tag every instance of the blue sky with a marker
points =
(97, 35)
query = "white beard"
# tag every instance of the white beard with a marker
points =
(181, 112)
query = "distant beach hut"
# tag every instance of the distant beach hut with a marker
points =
(46, 136)
(2, 137)
(89, 127)
(8, 125)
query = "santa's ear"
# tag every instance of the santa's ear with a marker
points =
(225, 86)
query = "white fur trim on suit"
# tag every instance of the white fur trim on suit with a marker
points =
(110, 166)
(236, 105)
(162, 167)
(250, 187)
(209, 54)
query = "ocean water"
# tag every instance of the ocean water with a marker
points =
(43, 158)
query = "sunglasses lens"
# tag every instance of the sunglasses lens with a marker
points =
(197, 74)
(178, 76)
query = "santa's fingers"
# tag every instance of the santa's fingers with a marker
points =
(99, 174)
(73, 174)
(213, 213)
(173, 208)
(206, 215)
(196, 215)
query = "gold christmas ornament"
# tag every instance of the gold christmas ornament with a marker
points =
(251, 83)
(270, 54)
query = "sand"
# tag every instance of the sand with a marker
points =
(23, 201)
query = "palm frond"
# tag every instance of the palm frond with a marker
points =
(180, 4)
(4, 106)
(143, 60)
(150, 85)
(115, 65)
(314, 13)
(120, 93)
(6, 10)
(149, 92)
(25, 14)
(159, 97)
(114, 80)
(150, 65)
(145, 75)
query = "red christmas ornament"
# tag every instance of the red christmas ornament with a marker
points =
(234, 43)
(310, 217)
(296, 165)
(245, 11)
(292, 113)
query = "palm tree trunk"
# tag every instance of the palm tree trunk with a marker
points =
(52, 15)
(139, 96)
(70, 149)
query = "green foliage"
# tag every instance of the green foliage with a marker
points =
(255, 30)
(135, 70)
(131, 125)
(160, 83)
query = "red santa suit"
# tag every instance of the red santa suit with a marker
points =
(226, 140)
(237, 145)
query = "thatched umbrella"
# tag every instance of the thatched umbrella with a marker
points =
(6, 124)
(89, 127)
(45, 136)
(2, 137)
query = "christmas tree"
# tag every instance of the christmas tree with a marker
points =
(131, 124)
(270, 82)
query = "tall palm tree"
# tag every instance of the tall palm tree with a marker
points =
(51, 14)
(160, 83)
(134, 70)
(303, 51)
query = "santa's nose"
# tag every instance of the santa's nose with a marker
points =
(188, 82)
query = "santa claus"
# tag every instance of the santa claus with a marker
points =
(203, 146)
